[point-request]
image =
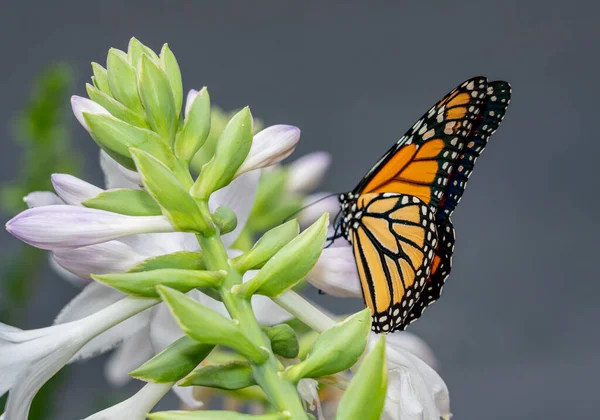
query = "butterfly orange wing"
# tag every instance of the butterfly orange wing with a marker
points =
(393, 238)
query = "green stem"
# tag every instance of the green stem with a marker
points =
(281, 393)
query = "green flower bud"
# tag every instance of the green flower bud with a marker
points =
(365, 397)
(174, 362)
(185, 260)
(267, 246)
(231, 376)
(283, 340)
(232, 148)
(122, 80)
(135, 49)
(125, 201)
(167, 191)
(336, 349)
(116, 137)
(213, 415)
(100, 79)
(225, 219)
(207, 326)
(290, 264)
(169, 65)
(144, 283)
(195, 128)
(157, 97)
(115, 107)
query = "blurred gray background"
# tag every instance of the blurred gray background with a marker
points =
(516, 330)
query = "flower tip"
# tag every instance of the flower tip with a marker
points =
(81, 105)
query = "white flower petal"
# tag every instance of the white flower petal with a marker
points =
(36, 374)
(154, 244)
(81, 105)
(91, 299)
(335, 273)
(189, 100)
(61, 226)
(74, 279)
(410, 342)
(41, 198)
(317, 204)
(29, 358)
(270, 146)
(94, 298)
(117, 176)
(306, 173)
(415, 390)
(135, 351)
(267, 312)
(187, 397)
(307, 388)
(73, 190)
(239, 196)
(135, 407)
(108, 257)
(164, 331)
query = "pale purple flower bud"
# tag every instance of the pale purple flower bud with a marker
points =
(189, 100)
(60, 226)
(80, 105)
(73, 190)
(117, 176)
(270, 146)
(317, 204)
(335, 272)
(41, 198)
(306, 173)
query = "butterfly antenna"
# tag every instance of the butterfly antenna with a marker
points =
(308, 205)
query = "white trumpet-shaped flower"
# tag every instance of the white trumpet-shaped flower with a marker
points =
(415, 390)
(29, 358)
(137, 406)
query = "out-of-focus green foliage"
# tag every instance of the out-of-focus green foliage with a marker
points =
(41, 130)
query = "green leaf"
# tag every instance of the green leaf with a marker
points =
(122, 80)
(196, 127)
(100, 79)
(232, 376)
(225, 219)
(125, 201)
(143, 283)
(290, 264)
(135, 49)
(169, 193)
(157, 97)
(207, 326)
(232, 148)
(174, 362)
(365, 397)
(116, 137)
(283, 340)
(115, 107)
(212, 415)
(336, 349)
(267, 246)
(185, 260)
(169, 65)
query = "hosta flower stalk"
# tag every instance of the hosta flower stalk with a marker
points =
(189, 258)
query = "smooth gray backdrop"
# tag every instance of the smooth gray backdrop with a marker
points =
(516, 330)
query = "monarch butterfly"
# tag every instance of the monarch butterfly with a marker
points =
(398, 217)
